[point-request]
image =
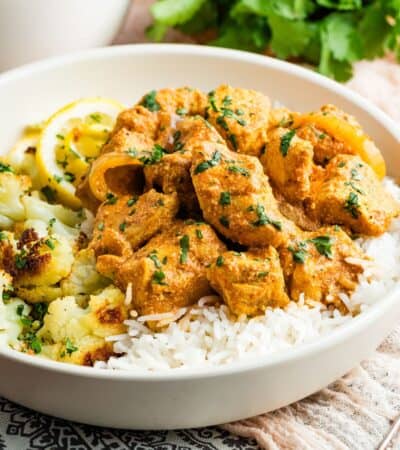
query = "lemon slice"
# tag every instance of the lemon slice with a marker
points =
(70, 140)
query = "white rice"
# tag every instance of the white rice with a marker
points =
(206, 336)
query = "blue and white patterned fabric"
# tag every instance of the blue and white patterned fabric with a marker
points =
(23, 429)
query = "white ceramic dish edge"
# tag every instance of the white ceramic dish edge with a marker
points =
(240, 370)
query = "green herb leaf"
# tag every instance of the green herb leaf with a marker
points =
(69, 346)
(324, 245)
(286, 139)
(352, 205)
(205, 165)
(149, 101)
(225, 198)
(224, 221)
(300, 253)
(240, 170)
(154, 156)
(263, 219)
(111, 199)
(184, 244)
(220, 261)
(159, 277)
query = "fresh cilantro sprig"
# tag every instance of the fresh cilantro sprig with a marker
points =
(330, 34)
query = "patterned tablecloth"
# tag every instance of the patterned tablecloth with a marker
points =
(23, 429)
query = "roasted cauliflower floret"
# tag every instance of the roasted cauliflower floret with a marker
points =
(12, 189)
(76, 335)
(36, 262)
(46, 218)
(84, 278)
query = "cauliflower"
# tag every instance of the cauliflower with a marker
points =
(84, 278)
(10, 324)
(36, 264)
(57, 219)
(77, 335)
(12, 189)
(22, 158)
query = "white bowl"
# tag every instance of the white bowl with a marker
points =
(35, 29)
(193, 398)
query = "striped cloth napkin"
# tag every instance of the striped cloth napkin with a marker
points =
(357, 411)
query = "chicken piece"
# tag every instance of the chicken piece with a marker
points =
(157, 112)
(241, 116)
(280, 117)
(236, 198)
(172, 172)
(321, 265)
(249, 282)
(125, 141)
(124, 224)
(349, 193)
(169, 272)
(288, 162)
(296, 213)
(333, 132)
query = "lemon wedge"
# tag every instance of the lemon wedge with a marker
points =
(70, 140)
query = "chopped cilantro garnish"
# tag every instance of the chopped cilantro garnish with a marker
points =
(158, 277)
(324, 245)
(50, 244)
(122, 227)
(153, 256)
(20, 260)
(100, 226)
(70, 177)
(20, 310)
(215, 160)
(240, 170)
(352, 205)
(132, 201)
(60, 136)
(49, 193)
(199, 234)
(95, 117)
(262, 274)
(58, 178)
(149, 101)
(69, 346)
(299, 253)
(181, 111)
(285, 142)
(155, 155)
(263, 219)
(111, 199)
(184, 244)
(5, 168)
(225, 198)
(223, 220)
(220, 261)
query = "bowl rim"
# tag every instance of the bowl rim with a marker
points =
(258, 362)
